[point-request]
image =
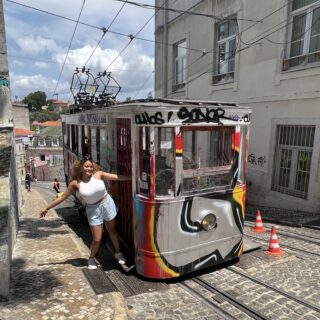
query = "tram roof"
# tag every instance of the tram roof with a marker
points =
(160, 103)
(176, 102)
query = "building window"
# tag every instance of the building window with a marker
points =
(304, 46)
(293, 156)
(42, 157)
(41, 142)
(180, 64)
(55, 142)
(226, 50)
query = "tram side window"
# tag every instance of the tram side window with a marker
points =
(209, 161)
(144, 161)
(164, 161)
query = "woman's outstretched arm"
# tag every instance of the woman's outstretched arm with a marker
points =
(70, 190)
(112, 176)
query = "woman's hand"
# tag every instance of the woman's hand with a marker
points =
(43, 213)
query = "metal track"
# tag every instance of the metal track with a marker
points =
(232, 300)
(285, 246)
(215, 307)
(290, 296)
(307, 238)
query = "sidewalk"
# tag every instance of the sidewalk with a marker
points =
(47, 272)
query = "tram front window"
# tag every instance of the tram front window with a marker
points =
(164, 161)
(209, 161)
(144, 161)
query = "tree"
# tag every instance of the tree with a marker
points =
(35, 100)
(43, 115)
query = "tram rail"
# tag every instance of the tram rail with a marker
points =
(222, 295)
(203, 290)
(307, 238)
(273, 288)
(305, 252)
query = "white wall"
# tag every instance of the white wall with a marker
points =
(277, 97)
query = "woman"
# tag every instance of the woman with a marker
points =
(87, 181)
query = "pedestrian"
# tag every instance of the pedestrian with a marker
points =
(35, 179)
(28, 182)
(87, 182)
(56, 185)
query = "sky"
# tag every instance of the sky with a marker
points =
(38, 42)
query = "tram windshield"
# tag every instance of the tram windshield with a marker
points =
(164, 161)
(208, 158)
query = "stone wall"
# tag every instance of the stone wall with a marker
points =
(9, 211)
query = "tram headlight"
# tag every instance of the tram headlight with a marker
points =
(209, 222)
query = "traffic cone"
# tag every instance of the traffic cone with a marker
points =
(258, 227)
(274, 248)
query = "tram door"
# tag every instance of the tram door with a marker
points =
(125, 218)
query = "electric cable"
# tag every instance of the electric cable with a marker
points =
(105, 30)
(149, 6)
(132, 37)
(74, 31)
(144, 83)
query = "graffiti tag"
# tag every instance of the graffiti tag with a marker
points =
(145, 118)
(260, 161)
(195, 115)
(4, 81)
(93, 118)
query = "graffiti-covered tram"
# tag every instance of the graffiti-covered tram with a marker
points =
(184, 208)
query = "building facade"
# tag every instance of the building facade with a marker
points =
(45, 155)
(262, 54)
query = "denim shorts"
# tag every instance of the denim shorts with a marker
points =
(105, 210)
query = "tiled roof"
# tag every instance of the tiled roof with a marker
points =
(22, 132)
(48, 124)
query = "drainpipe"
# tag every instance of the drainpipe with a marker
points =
(165, 55)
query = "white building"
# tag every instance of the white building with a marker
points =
(263, 54)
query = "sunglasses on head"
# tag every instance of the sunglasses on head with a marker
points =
(86, 158)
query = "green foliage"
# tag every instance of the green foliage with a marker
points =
(44, 115)
(35, 100)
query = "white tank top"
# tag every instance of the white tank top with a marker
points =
(92, 191)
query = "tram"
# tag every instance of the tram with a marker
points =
(184, 208)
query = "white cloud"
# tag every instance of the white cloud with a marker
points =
(43, 37)
(37, 45)
(41, 65)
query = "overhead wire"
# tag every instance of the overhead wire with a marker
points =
(105, 30)
(96, 27)
(242, 49)
(74, 31)
(188, 48)
(149, 6)
(132, 37)
(144, 83)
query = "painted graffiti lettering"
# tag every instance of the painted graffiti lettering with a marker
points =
(93, 118)
(234, 117)
(4, 81)
(246, 118)
(260, 161)
(145, 118)
(185, 115)
(197, 115)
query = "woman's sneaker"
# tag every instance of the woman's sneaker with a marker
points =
(120, 258)
(92, 265)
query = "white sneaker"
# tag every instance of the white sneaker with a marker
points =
(120, 258)
(92, 265)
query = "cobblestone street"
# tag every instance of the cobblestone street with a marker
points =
(48, 280)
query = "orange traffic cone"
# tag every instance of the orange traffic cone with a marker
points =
(258, 227)
(274, 248)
